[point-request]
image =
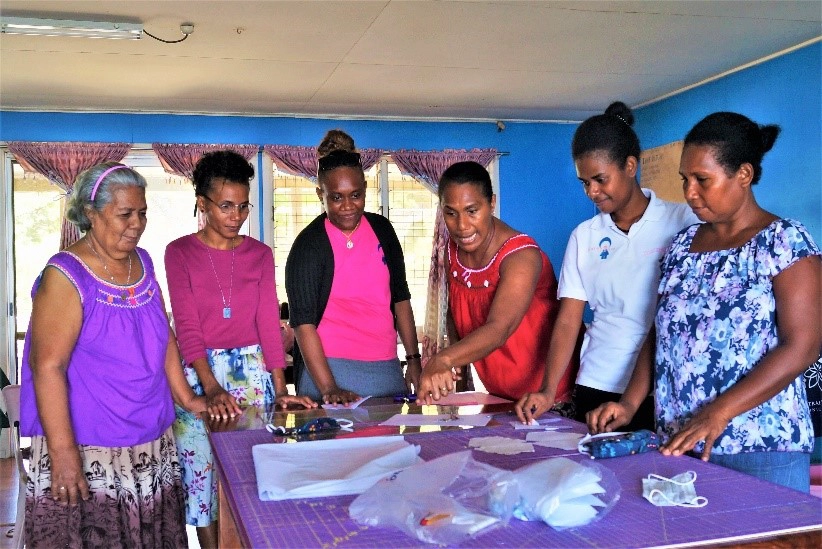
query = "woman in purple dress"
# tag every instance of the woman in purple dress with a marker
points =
(100, 368)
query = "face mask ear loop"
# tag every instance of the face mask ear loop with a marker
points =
(699, 501)
(672, 481)
(346, 425)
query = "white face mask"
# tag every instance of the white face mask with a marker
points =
(677, 491)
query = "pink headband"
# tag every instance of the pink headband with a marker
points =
(102, 176)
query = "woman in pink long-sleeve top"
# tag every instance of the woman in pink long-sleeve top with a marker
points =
(226, 315)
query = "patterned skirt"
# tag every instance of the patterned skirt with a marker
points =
(242, 373)
(136, 499)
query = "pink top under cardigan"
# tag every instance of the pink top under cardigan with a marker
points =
(197, 305)
(357, 323)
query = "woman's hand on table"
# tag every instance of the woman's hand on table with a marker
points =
(218, 424)
(340, 396)
(532, 405)
(608, 417)
(437, 380)
(221, 404)
(286, 400)
(68, 482)
(707, 425)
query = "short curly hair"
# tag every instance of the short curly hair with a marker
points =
(80, 199)
(225, 164)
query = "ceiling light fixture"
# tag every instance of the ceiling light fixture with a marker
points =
(67, 27)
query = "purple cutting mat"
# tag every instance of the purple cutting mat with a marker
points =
(739, 506)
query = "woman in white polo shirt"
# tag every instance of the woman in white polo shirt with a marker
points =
(611, 263)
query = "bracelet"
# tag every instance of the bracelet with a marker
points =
(411, 357)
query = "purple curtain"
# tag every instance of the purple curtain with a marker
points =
(180, 158)
(427, 167)
(61, 163)
(302, 161)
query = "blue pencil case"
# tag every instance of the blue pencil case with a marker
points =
(609, 445)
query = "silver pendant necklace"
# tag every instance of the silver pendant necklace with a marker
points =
(226, 304)
(105, 267)
(349, 243)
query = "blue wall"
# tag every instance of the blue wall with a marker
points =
(539, 193)
(786, 91)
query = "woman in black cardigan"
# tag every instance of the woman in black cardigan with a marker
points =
(347, 292)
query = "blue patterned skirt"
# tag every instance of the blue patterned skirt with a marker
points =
(242, 373)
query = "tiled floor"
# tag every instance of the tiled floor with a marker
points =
(8, 500)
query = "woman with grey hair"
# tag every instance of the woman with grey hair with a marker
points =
(100, 369)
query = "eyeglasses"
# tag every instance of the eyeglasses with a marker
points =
(337, 159)
(228, 207)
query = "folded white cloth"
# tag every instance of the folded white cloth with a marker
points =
(554, 439)
(328, 467)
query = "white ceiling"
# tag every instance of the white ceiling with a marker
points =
(446, 59)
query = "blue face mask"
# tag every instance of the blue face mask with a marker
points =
(678, 491)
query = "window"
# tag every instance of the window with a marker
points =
(170, 201)
(410, 207)
(38, 205)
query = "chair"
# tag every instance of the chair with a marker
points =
(11, 394)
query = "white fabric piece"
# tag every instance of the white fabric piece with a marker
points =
(582, 445)
(328, 467)
(560, 492)
(349, 406)
(542, 425)
(553, 439)
(500, 445)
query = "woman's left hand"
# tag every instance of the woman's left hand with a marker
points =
(221, 404)
(437, 380)
(284, 401)
(706, 425)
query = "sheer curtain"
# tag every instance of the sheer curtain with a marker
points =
(180, 158)
(427, 167)
(61, 163)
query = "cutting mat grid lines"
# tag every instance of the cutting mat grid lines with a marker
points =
(633, 522)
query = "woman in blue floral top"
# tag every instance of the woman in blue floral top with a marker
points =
(738, 319)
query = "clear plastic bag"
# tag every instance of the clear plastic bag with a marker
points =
(564, 493)
(445, 501)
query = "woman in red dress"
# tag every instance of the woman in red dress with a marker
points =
(502, 296)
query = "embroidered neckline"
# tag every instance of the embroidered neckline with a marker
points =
(108, 282)
(490, 262)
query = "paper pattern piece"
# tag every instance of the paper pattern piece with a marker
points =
(500, 445)
(470, 398)
(418, 420)
(350, 405)
(553, 439)
(324, 468)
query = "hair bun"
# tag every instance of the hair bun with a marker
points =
(769, 134)
(335, 140)
(621, 111)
